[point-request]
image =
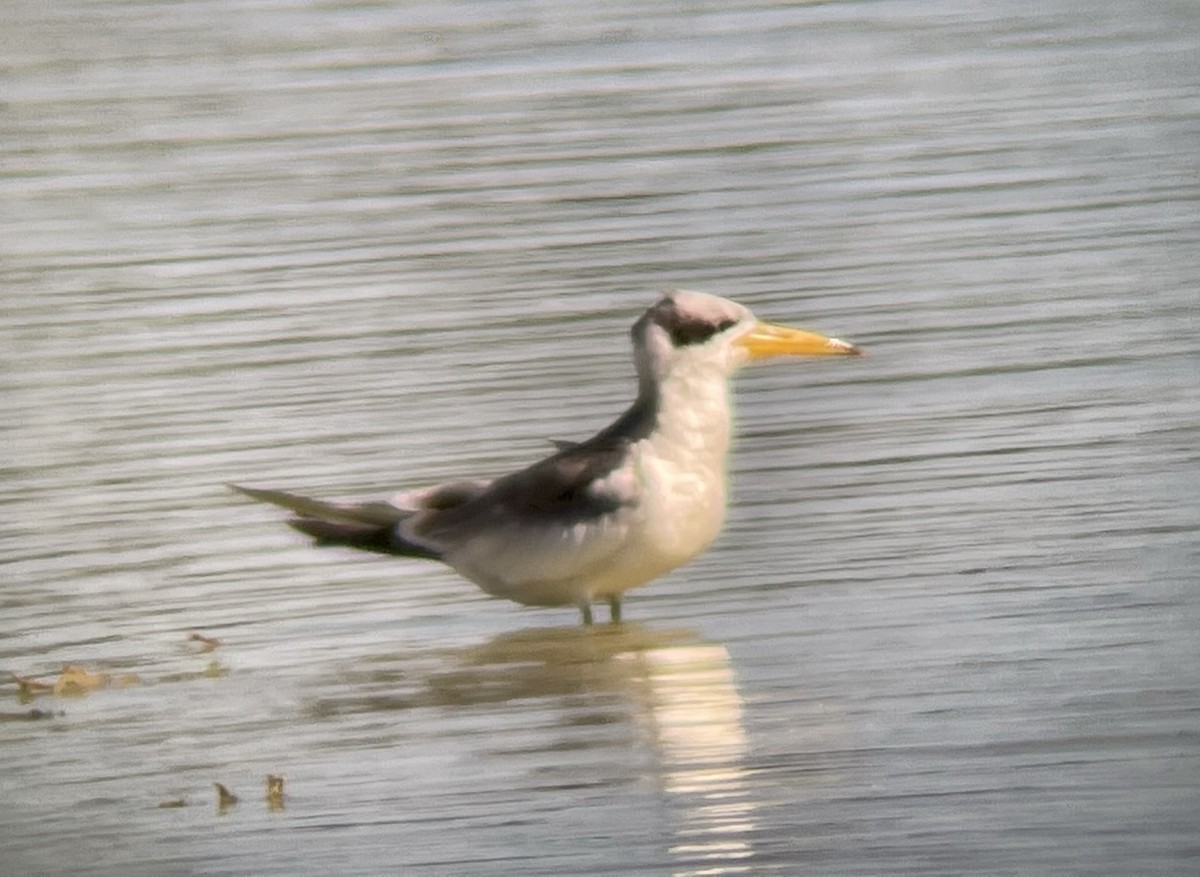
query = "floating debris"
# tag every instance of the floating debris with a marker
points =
(28, 716)
(76, 681)
(214, 670)
(207, 643)
(274, 793)
(29, 688)
(226, 800)
(173, 803)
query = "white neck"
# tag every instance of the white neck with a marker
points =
(693, 423)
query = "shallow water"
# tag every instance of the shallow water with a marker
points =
(951, 626)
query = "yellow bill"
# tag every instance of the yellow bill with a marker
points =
(766, 340)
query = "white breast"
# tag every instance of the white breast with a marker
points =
(680, 470)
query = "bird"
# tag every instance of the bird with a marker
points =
(596, 517)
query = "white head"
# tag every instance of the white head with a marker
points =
(704, 333)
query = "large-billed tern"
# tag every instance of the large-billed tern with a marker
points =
(596, 518)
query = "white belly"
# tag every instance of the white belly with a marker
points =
(679, 512)
(680, 515)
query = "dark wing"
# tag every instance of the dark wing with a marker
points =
(580, 483)
(440, 497)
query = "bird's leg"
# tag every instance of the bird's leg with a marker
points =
(586, 609)
(614, 605)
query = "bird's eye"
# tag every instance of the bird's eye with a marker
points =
(685, 334)
(686, 331)
(699, 332)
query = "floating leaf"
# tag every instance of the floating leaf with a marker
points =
(274, 793)
(76, 680)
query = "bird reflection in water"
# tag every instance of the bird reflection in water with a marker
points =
(666, 691)
(697, 724)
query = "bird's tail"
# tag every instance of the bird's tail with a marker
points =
(368, 526)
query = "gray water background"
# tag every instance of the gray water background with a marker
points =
(953, 624)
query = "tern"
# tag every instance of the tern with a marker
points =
(598, 517)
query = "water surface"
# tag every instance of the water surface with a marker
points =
(951, 624)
